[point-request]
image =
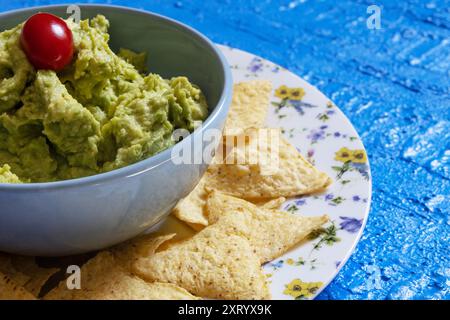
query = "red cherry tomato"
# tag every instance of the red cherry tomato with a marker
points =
(47, 41)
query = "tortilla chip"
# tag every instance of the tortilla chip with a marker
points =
(10, 290)
(291, 175)
(211, 264)
(271, 233)
(190, 208)
(174, 225)
(108, 275)
(104, 278)
(273, 204)
(249, 106)
(142, 246)
(257, 147)
(25, 272)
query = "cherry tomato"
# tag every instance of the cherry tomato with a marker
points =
(47, 42)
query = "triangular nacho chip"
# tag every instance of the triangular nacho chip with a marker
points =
(142, 246)
(210, 264)
(274, 204)
(105, 278)
(108, 275)
(271, 233)
(174, 225)
(10, 290)
(190, 208)
(249, 106)
(25, 272)
(290, 175)
(248, 109)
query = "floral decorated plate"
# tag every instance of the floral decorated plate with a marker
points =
(322, 133)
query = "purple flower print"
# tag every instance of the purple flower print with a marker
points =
(357, 165)
(255, 65)
(350, 224)
(356, 198)
(300, 202)
(329, 196)
(330, 112)
(316, 135)
(277, 264)
(337, 134)
(300, 106)
(363, 169)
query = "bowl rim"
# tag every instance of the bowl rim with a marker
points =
(156, 160)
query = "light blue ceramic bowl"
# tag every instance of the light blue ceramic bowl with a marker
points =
(80, 215)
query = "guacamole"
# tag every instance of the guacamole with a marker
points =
(100, 113)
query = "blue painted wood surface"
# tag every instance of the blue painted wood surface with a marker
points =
(394, 85)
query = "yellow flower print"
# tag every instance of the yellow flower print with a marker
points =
(344, 155)
(359, 156)
(285, 93)
(300, 290)
(355, 156)
(296, 93)
(282, 92)
(290, 261)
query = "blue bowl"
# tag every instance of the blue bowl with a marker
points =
(80, 215)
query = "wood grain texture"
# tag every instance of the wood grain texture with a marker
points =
(394, 85)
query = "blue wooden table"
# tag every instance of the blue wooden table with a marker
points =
(394, 85)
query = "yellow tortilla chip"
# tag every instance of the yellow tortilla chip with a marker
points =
(174, 225)
(108, 275)
(210, 264)
(271, 233)
(256, 147)
(25, 272)
(190, 208)
(104, 278)
(10, 290)
(248, 109)
(273, 204)
(249, 106)
(291, 175)
(142, 246)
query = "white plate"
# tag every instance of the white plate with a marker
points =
(323, 134)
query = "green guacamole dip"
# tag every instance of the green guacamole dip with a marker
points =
(100, 113)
